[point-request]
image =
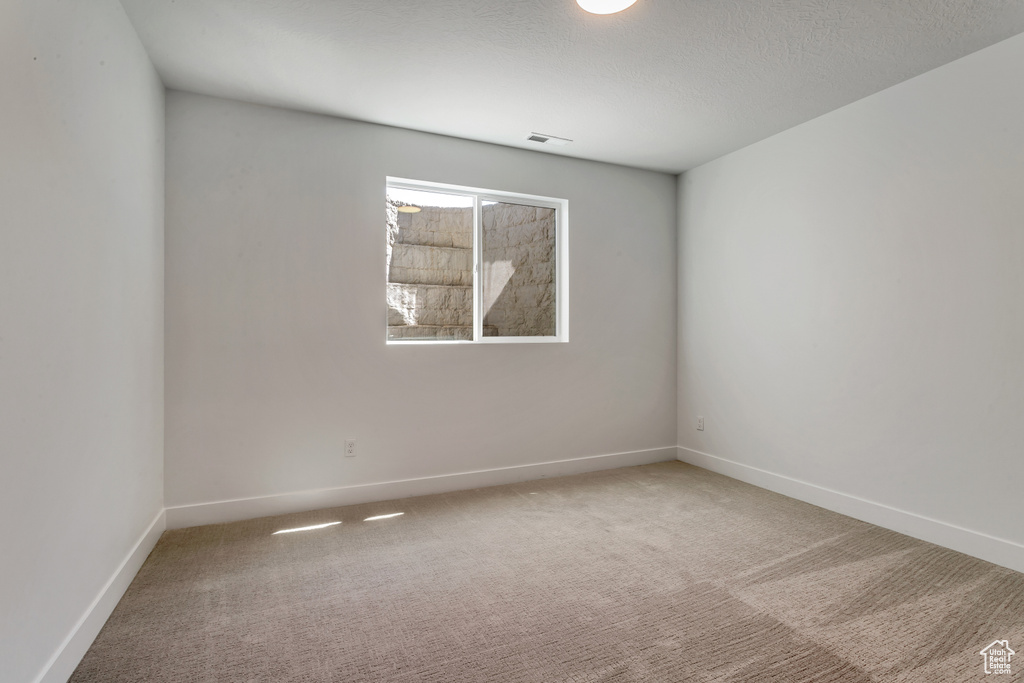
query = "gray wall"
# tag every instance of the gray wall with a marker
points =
(852, 299)
(276, 312)
(81, 314)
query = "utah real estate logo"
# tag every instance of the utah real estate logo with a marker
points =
(997, 657)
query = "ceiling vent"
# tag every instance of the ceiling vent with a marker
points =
(548, 139)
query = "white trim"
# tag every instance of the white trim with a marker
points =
(248, 508)
(562, 271)
(478, 271)
(975, 543)
(67, 657)
(447, 188)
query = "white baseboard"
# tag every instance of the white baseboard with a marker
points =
(995, 550)
(263, 506)
(64, 661)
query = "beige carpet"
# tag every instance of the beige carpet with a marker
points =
(658, 573)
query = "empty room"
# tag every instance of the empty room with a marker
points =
(346, 341)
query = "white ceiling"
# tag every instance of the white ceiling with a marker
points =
(666, 85)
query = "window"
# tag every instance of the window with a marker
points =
(472, 265)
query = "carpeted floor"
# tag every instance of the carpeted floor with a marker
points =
(657, 573)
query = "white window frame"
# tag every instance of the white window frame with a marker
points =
(561, 207)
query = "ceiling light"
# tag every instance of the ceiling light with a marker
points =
(604, 6)
(408, 209)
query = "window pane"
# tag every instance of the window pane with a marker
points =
(518, 270)
(429, 265)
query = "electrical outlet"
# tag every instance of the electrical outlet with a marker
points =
(700, 424)
(350, 448)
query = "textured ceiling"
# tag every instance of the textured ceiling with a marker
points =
(666, 85)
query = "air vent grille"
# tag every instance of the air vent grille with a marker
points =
(548, 139)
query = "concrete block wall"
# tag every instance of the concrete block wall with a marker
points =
(437, 226)
(430, 271)
(519, 269)
(431, 265)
